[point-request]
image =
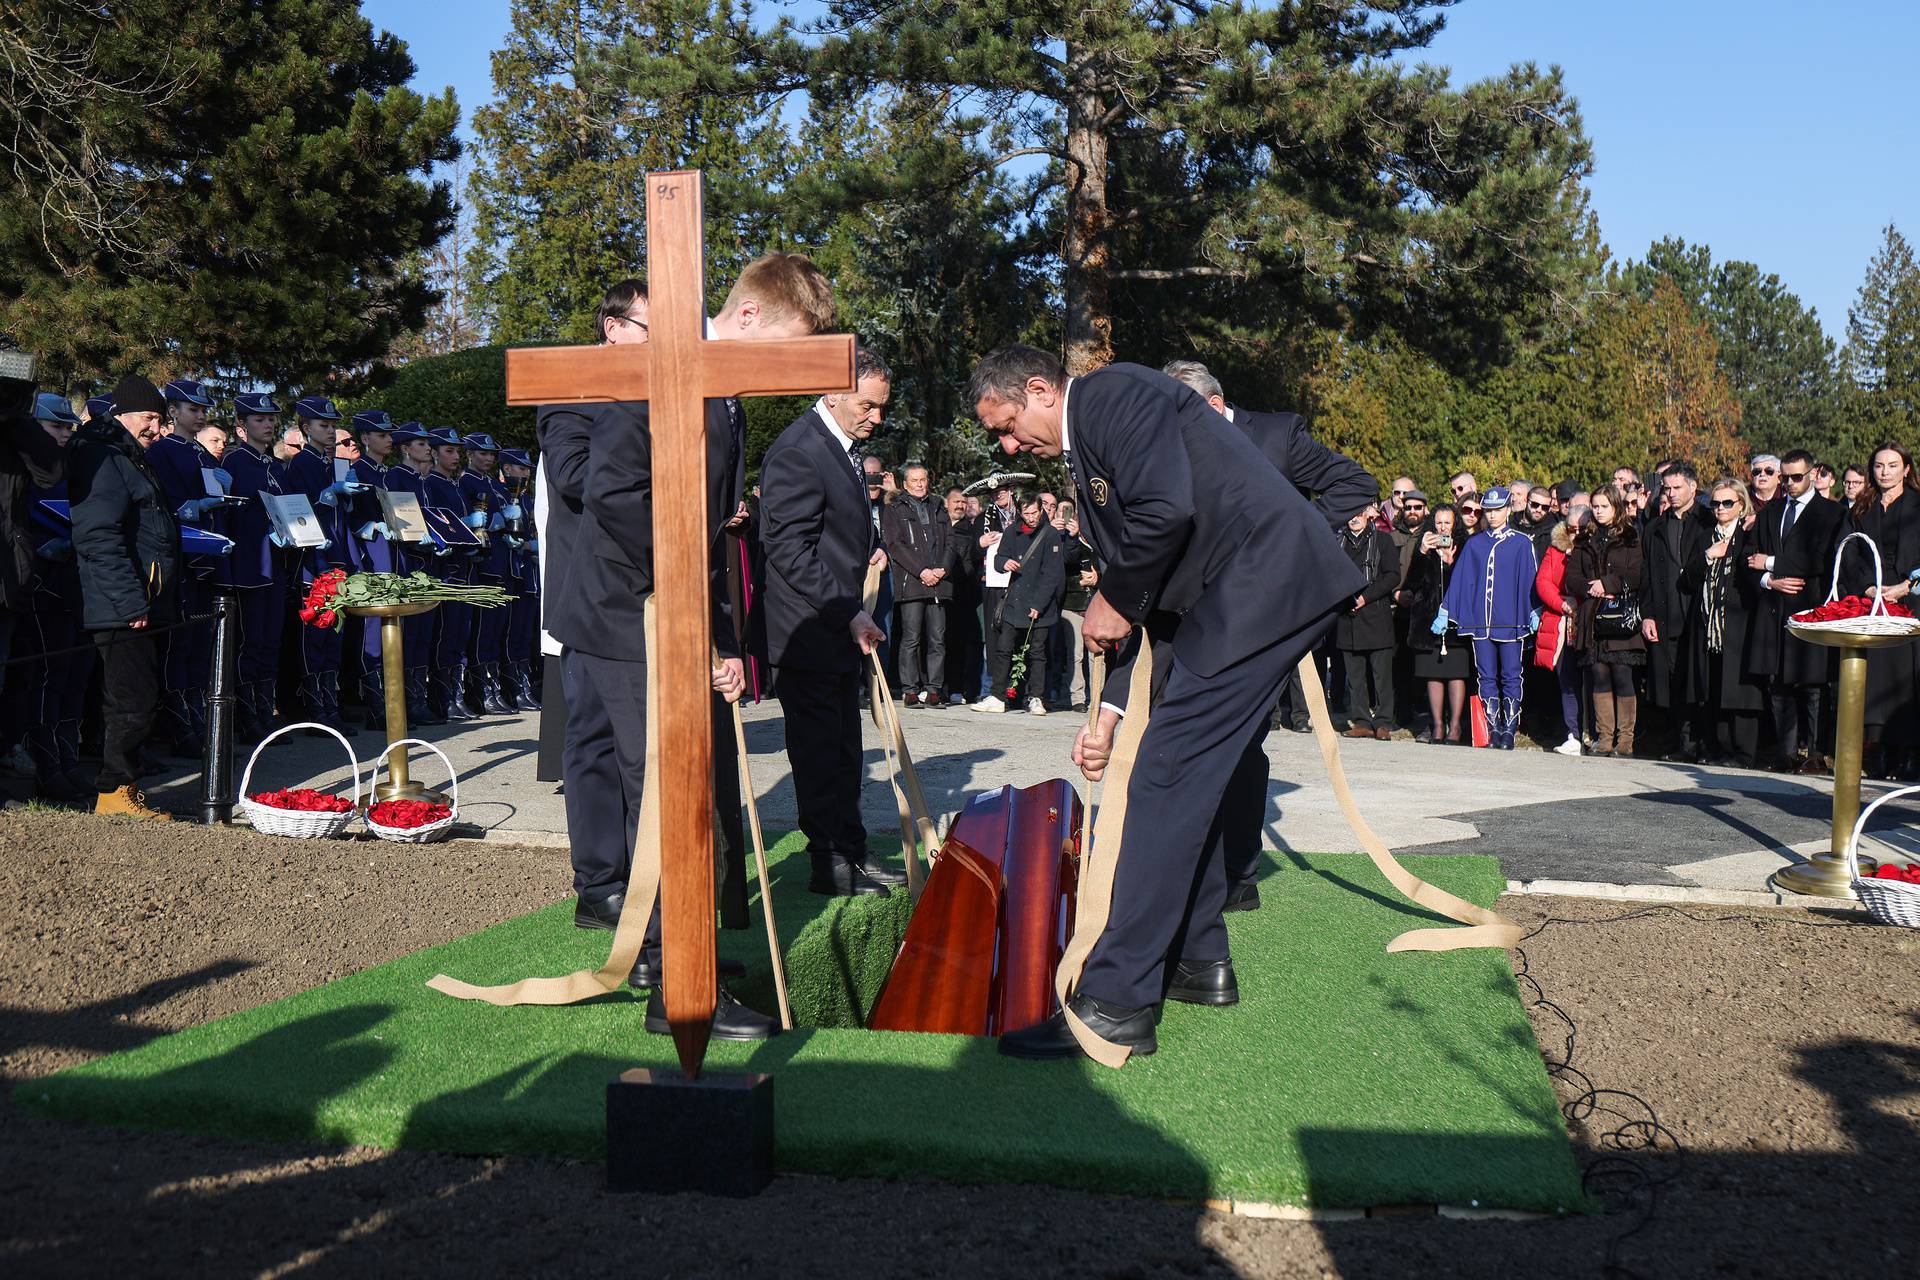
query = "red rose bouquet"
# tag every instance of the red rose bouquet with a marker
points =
(336, 591)
(302, 800)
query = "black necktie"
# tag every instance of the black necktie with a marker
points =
(1786, 521)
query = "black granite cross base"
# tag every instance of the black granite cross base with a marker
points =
(668, 1133)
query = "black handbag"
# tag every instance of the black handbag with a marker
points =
(1619, 616)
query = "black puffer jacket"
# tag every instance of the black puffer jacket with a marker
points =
(126, 542)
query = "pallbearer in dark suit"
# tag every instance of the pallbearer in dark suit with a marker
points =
(819, 538)
(1792, 561)
(1344, 490)
(1233, 576)
(597, 609)
(259, 565)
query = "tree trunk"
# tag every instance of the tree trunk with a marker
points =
(1089, 321)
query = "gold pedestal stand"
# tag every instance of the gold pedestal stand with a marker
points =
(1825, 874)
(393, 665)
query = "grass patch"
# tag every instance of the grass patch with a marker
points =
(1345, 1077)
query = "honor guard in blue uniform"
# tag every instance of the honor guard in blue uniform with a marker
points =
(375, 549)
(453, 629)
(178, 460)
(1490, 599)
(260, 564)
(523, 615)
(497, 565)
(47, 694)
(311, 472)
(413, 458)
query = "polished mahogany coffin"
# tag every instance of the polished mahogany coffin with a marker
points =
(987, 935)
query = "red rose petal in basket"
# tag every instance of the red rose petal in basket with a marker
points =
(302, 800)
(405, 815)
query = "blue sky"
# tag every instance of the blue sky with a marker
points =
(1771, 130)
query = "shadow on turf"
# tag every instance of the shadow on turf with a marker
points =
(105, 1026)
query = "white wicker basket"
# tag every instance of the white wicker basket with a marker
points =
(1877, 623)
(1890, 901)
(294, 822)
(414, 835)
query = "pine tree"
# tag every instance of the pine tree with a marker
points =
(1883, 336)
(589, 95)
(255, 182)
(1274, 157)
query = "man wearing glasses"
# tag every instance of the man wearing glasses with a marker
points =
(1463, 484)
(1796, 537)
(1764, 471)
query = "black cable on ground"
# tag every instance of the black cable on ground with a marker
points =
(1623, 1182)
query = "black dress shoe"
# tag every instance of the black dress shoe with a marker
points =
(1131, 1028)
(1204, 982)
(1244, 896)
(599, 913)
(644, 975)
(731, 1019)
(841, 879)
(880, 873)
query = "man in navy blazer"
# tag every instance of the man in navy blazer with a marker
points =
(1233, 576)
(817, 532)
(1344, 489)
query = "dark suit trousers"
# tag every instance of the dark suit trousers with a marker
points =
(1170, 883)
(1796, 712)
(922, 629)
(602, 792)
(822, 714)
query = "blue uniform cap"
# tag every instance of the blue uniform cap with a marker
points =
(518, 457)
(187, 391)
(255, 402)
(51, 406)
(408, 432)
(479, 440)
(372, 420)
(318, 408)
(1495, 499)
(99, 406)
(443, 436)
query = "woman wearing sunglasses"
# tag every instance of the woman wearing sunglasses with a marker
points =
(1724, 605)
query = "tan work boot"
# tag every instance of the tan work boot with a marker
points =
(129, 802)
(1627, 711)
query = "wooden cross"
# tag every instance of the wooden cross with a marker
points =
(676, 371)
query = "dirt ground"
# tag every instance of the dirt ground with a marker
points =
(1779, 1050)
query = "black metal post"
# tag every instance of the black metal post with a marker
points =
(216, 765)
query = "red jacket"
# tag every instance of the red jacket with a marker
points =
(1556, 610)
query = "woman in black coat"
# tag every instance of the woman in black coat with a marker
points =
(1445, 661)
(1364, 631)
(1723, 609)
(1888, 511)
(1605, 565)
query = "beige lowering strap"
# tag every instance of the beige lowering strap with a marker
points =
(643, 886)
(1099, 849)
(908, 799)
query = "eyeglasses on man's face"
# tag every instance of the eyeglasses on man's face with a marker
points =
(641, 325)
(1795, 477)
(1765, 471)
(1402, 493)
(1536, 506)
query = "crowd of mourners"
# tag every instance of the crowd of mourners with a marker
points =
(1628, 615)
(1615, 615)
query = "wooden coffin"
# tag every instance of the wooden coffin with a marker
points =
(987, 936)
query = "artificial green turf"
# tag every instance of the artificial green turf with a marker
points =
(1345, 1077)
